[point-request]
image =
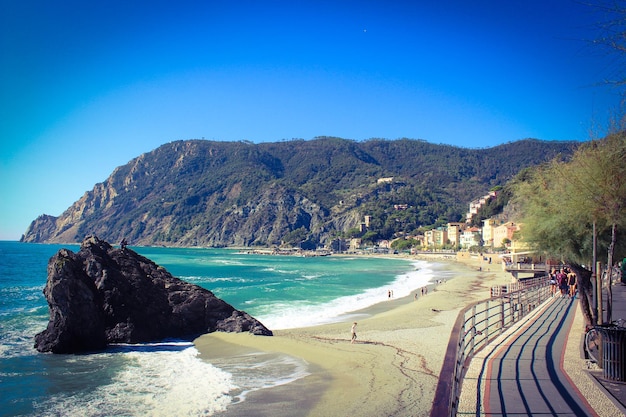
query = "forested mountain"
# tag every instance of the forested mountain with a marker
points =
(208, 193)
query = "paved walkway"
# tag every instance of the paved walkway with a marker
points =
(522, 372)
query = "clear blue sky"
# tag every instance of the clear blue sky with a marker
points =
(87, 86)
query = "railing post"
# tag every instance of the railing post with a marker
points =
(472, 344)
(487, 314)
(502, 315)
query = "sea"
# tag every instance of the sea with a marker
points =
(168, 377)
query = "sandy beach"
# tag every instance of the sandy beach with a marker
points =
(392, 369)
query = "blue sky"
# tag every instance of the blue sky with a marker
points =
(87, 86)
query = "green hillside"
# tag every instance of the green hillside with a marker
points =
(209, 193)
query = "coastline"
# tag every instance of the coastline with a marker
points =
(392, 369)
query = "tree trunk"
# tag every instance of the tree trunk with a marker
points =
(609, 268)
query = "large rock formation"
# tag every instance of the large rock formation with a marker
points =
(103, 295)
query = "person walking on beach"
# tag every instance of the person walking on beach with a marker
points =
(353, 331)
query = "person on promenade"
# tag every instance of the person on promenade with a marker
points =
(553, 284)
(353, 332)
(561, 279)
(571, 281)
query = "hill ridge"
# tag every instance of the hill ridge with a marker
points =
(210, 193)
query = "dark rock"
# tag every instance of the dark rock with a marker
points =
(104, 295)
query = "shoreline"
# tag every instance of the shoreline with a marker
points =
(392, 369)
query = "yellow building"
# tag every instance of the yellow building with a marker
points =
(503, 233)
(455, 230)
(436, 237)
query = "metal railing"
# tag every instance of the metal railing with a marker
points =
(525, 266)
(498, 291)
(476, 326)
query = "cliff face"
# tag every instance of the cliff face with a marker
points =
(205, 193)
(103, 295)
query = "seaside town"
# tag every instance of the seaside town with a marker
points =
(496, 237)
(495, 234)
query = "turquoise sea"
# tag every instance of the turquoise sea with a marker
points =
(168, 378)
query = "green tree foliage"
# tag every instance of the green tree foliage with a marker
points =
(296, 237)
(404, 244)
(562, 202)
(370, 237)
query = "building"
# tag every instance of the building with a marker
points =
(436, 237)
(472, 236)
(488, 226)
(454, 233)
(475, 205)
(504, 233)
(368, 219)
(355, 244)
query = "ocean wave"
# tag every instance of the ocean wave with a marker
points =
(212, 280)
(261, 370)
(304, 313)
(226, 262)
(310, 277)
(278, 271)
(153, 382)
(17, 332)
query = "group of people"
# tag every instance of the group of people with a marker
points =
(563, 282)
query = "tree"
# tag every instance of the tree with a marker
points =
(370, 236)
(605, 166)
(296, 237)
(404, 244)
(562, 203)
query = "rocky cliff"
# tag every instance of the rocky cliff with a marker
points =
(103, 295)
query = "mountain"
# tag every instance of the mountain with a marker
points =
(208, 193)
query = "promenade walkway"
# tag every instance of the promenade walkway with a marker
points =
(525, 371)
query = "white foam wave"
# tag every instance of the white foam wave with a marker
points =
(303, 313)
(310, 277)
(261, 370)
(16, 334)
(278, 271)
(157, 383)
(203, 279)
(227, 262)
